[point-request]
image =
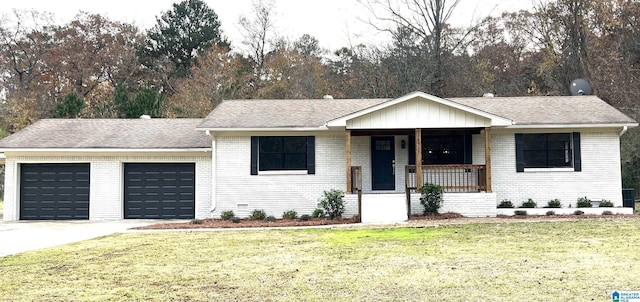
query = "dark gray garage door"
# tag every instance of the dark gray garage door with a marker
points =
(159, 190)
(54, 191)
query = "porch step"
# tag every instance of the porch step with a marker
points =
(384, 208)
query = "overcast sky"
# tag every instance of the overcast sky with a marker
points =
(335, 23)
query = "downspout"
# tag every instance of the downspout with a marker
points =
(624, 130)
(213, 173)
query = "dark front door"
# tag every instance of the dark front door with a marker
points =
(382, 163)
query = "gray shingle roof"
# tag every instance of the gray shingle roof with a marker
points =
(282, 113)
(549, 110)
(109, 133)
(246, 114)
(536, 110)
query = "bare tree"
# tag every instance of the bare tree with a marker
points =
(257, 30)
(426, 22)
(24, 43)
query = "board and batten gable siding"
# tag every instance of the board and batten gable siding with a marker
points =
(599, 179)
(241, 192)
(418, 113)
(106, 183)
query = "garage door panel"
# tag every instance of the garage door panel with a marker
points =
(159, 190)
(54, 191)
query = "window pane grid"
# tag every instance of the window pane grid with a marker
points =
(547, 150)
(282, 153)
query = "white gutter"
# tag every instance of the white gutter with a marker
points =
(546, 126)
(103, 150)
(292, 129)
(213, 173)
(624, 130)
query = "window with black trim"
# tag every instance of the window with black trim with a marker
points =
(282, 153)
(548, 150)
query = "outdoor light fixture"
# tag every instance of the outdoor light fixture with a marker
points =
(403, 144)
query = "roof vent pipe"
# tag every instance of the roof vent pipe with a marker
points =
(488, 95)
(327, 97)
(145, 117)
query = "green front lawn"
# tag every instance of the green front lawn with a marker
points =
(511, 261)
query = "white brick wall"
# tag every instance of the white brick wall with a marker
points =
(467, 204)
(361, 156)
(241, 192)
(600, 177)
(10, 208)
(477, 149)
(106, 192)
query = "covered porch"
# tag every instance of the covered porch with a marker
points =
(396, 147)
(388, 178)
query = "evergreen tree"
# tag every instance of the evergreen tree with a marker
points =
(69, 107)
(191, 27)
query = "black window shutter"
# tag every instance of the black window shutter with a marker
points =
(254, 155)
(468, 155)
(577, 159)
(519, 153)
(412, 149)
(311, 155)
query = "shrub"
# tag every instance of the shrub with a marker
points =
(197, 221)
(332, 203)
(290, 214)
(607, 213)
(318, 213)
(550, 213)
(520, 213)
(235, 220)
(584, 202)
(227, 215)
(505, 204)
(529, 204)
(606, 204)
(271, 218)
(258, 215)
(578, 212)
(305, 217)
(431, 198)
(554, 203)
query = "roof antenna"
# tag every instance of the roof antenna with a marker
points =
(580, 87)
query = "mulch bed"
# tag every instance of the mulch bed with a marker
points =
(244, 223)
(589, 216)
(443, 216)
(247, 223)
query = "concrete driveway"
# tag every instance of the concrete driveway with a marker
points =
(21, 236)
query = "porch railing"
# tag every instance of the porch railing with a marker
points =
(356, 178)
(356, 186)
(452, 178)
